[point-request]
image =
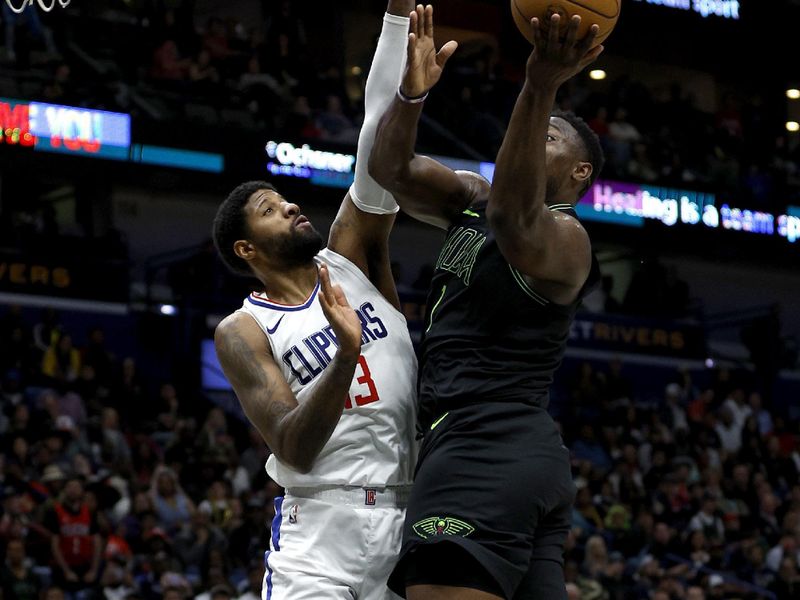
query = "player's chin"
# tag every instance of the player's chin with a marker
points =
(308, 242)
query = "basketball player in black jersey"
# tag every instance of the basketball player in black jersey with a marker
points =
(490, 510)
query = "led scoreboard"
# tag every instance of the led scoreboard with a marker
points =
(69, 129)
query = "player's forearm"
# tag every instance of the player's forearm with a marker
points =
(305, 430)
(400, 8)
(393, 151)
(382, 83)
(519, 187)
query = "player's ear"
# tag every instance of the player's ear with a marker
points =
(582, 171)
(244, 249)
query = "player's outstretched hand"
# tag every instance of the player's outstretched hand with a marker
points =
(553, 61)
(344, 320)
(425, 65)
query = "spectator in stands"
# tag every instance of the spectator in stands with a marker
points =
(707, 520)
(126, 390)
(255, 455)
(622, 135)
(641, 167)
(31, 19)
(787, 583)
(16, 578)
(168, 65)
(96, 354)
(334, 124)
(53, 593)
(202, 73)
(673, 412)
(76, 543)
(61, 362)
(599, 123)
(171, 504)
(215, 40)
(115, 444)
(729, 431)
(762, 416)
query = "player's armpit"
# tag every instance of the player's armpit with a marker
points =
(247, 361)
(553, 249)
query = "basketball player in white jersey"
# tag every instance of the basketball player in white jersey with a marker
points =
(322, 363)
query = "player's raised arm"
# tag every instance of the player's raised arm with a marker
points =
(295, 432)
(543, 244)
(360, 231)
(424, 188)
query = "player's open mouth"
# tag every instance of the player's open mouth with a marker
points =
(301, 220)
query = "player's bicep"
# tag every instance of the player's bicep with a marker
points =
(435, 194)
(247, 362)
(363, 238)
(356, 234)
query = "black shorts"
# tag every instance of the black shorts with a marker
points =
(493, 486)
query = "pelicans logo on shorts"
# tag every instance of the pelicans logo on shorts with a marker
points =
(442, 526)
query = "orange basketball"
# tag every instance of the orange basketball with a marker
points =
(601, 12)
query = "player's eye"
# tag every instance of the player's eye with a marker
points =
(266, 212)
(550, 138)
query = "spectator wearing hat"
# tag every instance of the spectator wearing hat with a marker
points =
(16, 579)
(76, 544)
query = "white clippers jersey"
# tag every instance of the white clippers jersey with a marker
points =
(373, 443)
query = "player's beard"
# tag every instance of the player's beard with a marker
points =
(296, 248)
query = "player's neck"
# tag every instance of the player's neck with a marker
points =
(290, 285)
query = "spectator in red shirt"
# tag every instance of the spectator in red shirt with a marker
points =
(76, 543)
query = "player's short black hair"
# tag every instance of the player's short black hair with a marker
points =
(591, 143)
(230, 225)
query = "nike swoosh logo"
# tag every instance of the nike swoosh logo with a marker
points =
(439, 420)
(274, 329)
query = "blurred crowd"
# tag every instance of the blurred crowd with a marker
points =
(118, 487)
(260, 73)
(693, 494)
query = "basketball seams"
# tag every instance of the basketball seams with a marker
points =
(594, 10)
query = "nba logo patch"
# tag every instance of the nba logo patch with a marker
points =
(370, 496)
(293, 514)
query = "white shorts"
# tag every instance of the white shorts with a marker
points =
(338, 544)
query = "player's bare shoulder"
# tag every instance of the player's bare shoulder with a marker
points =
(476, 187)
(239, 336)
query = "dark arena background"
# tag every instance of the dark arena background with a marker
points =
(123, 125)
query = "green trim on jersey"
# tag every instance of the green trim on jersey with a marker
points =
(435, 306)
(520, 279)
